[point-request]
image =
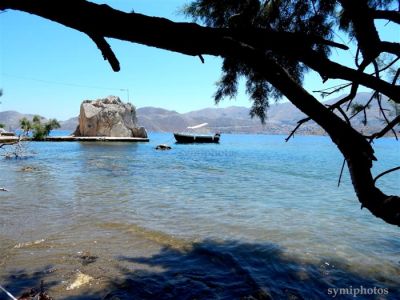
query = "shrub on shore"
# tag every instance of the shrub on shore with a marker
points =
(39, 130)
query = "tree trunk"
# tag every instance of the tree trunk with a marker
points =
(354, 147)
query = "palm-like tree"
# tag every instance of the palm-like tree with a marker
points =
(25, 125)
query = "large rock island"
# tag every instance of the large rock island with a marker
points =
(108, 117)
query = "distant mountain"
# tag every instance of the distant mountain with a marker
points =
(281, 119)
(11, 119)
(231, 119)
(69, 124)
(161, 120)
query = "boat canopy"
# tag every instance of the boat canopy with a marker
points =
(198, 126)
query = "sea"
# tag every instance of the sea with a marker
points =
(253, 217)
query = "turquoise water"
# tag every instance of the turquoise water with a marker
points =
(250, 216)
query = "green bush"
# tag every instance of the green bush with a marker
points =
(25, 125)
(39, 130)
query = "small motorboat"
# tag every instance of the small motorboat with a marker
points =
(186, 138)
(189, 137)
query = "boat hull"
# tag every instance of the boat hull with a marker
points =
(190, 139)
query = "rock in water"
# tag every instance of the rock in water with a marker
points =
(163, 147)
(81, 279)
(108, 117)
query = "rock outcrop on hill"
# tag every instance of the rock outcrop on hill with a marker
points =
(108, 117)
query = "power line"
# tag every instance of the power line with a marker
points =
(65, 83)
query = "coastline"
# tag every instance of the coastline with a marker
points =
(11, 139)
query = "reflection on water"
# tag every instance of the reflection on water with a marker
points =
(251, 217)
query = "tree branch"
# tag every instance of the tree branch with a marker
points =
(365, 106)
(9, 144)
(386, 172)
(346, 118)
(337, 88)
(389, 47)
(333, 89)
(106, 50)
(186, 38)
(299, 123)
(189, 38)
(396, 76)
(387, 128)
(390, 15)
(329, 69)
(354, 147)
(385, 117)
(201, 58)
(363, 26)
(341, 172)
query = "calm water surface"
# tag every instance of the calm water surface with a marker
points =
(249, 217)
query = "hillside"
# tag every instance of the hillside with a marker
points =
(282, 118)
(69, 124)
(161, 120)
(11, 119)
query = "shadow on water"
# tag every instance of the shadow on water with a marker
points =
(21, 281)
(227, 270)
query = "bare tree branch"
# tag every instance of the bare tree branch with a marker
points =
(106, 50)
(9, 144)
(329, 69)
(201, 58)
(390, 15)
(390, 47)
(192, 39)
(344, 115)
(355, 148)
(339, 87)
(396, 76)
(365, 106)
(385, 117)
(332, 90)
(389, 64)
(387, 128)
(386, 172)
(299, 123)
(341, 172)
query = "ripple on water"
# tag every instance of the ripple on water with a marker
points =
(249, 217)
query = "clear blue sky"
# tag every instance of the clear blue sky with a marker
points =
(49, 69)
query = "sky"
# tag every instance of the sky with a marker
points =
(49, 69)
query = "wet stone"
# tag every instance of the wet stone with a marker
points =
(87, 258)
